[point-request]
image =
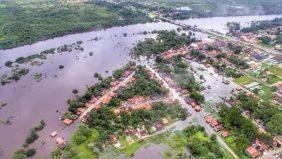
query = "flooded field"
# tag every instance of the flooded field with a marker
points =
(155, 151)
(29, 101)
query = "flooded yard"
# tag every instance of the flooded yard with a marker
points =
(155, 151)
(215, 89)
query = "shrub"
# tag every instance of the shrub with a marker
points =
(19, 154)
(74, 91)
(32, 136)
(30, 152)
(8, 63)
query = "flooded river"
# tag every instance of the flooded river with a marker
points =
(219, 23)
(29, 101)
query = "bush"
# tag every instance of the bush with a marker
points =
(32, 136)
(30, 152)
(198, 97)
(8, 63)
(19, 154)
(74, 91)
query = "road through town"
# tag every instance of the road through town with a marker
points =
(198, 116)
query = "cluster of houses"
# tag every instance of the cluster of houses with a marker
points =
(172, 53)
(214, 123)
(259, 147)
(133, 135)
(193, 104)
(104, 98)
(270, 33)
(133, 104)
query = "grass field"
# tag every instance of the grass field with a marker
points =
(265, 93)
(276, 70)
(273, 79)
(231, 142)
(244, 80)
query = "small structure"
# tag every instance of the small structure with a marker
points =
(54, 134)
(262, 145)
(143, 132)
(247, 113)
(211, 120)
(224, 133)
(198, 108)
(62, 143)
(217, 128)
(193, 104)
(252, 151)
(165, 121)
(67, 121)
(159, 126)
(106, 99)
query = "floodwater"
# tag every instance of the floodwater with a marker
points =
(219, 23)
(218, 90)
(30, 101)
(154, 151)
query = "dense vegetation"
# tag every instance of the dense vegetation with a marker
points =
(270, 116)
(262, 25)
(25, 22)
(94, 90)
(103, 123)
(243, 129)
(107, 123)
(165, 41)
(202, 146)
(144, 85)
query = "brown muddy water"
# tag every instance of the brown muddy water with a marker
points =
(30, 101)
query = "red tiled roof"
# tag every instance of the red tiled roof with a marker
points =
(224, 133)
(252, 151)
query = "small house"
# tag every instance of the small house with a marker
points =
(252, 151)
(67, 121)
(224, 133)
(54, 134)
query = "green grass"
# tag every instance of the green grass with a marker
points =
(132, 148)
(85, 150)
(265, 93)
(231, 142)
(275, 70)
(244, 80)
(273, 79)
